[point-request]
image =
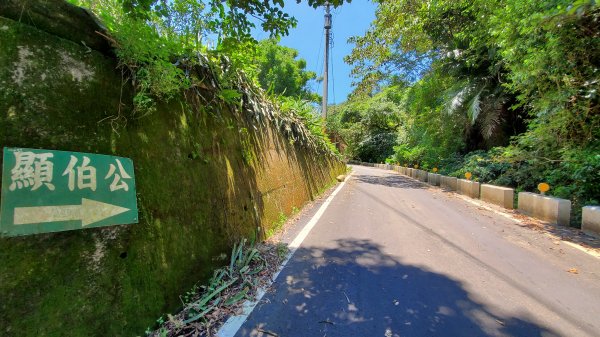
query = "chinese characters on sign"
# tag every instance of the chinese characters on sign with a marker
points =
(117, 182)
(49, 191)
(35, 170)
(32, 170)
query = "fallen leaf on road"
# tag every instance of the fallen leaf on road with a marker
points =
(327, 321)
(267, 332)
(573, 271)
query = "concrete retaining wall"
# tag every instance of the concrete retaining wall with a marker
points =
(468, 188)
(502, 196)
(550, 209)
(433, 179)
(449, 183)
(590, 220)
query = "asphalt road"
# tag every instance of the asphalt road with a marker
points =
(393, 257)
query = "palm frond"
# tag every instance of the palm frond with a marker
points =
(492, 118)
(473, 106)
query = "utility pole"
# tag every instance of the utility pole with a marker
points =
(326, 63)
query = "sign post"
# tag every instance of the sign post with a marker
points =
(52, 191)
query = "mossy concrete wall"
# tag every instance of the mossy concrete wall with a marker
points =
(203, 181)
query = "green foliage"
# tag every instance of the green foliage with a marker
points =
(505, 89)
(161, 50)
(552, 53)
(276, 227)
(147, 57)
(300, 122)
(156, 40)
(281, 73)
(160, 47)
(367, 125)
(428, 133)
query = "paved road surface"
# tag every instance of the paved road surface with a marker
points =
(393, 257)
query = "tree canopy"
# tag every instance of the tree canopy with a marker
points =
(280, 71)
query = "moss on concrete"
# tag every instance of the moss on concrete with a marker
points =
(202, 183)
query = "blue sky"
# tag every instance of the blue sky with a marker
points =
(308, 38)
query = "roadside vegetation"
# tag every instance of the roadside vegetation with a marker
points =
(172, 49)
(505, 89)
(206, 307)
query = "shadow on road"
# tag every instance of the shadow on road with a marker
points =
(354, 289)
(391, 180)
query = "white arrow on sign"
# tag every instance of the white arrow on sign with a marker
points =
(89, 212)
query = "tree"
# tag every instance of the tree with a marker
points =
(281, 72)
(369, 125)
(410, 39)
(232, 17)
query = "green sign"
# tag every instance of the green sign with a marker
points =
(52, 191)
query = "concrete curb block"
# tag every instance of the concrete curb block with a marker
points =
(502, 196)
(468, 188)
(590, 220)
(422, 175)
(550, 209)
(433, 179)
(448, 183)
